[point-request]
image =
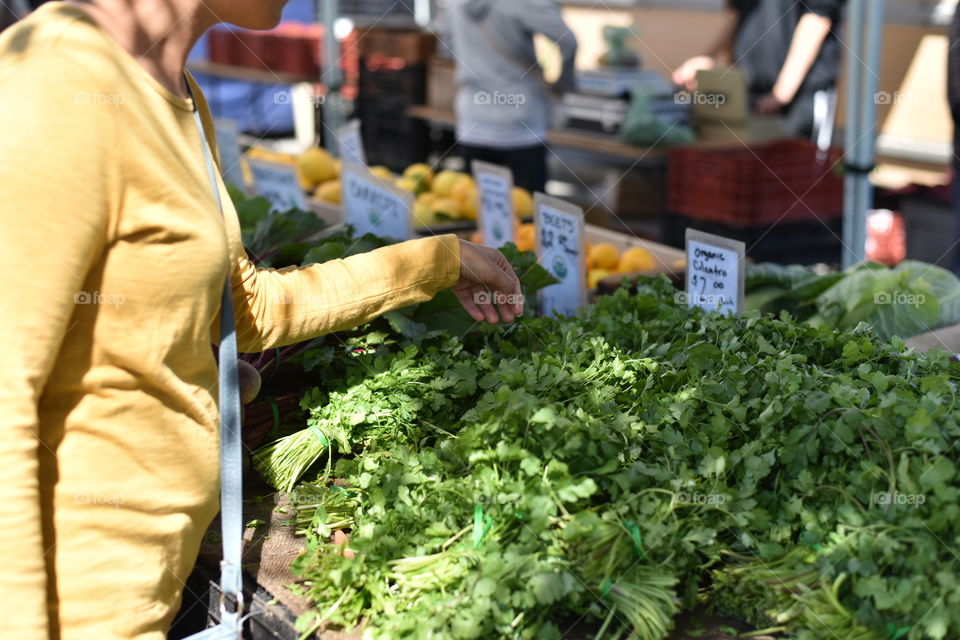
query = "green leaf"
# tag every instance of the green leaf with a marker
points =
(547, 587)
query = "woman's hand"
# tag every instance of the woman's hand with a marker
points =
(487, 279)
(686, 74)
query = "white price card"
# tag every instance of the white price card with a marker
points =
(561, 246)
(714, 272)
(350, 144)
(279, 184)
(495, 185)
(229, 148)
(372, 205)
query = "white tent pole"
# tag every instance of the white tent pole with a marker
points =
(860, 136)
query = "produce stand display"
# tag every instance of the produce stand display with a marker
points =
(600, 476)
(579, 140)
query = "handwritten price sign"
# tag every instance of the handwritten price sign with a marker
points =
(229, 148)
(562, 249)
(496, 203)
(714, 272)
(279, 184)
(350, 144)
(374, 206)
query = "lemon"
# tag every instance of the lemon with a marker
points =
(594, 276)
(420, 172)
(382, 172)
(316, 165)
(445, 209)
(636, 259)
(267, 155)
(329, 191)
(526, 237)
(444, 182)
(407, 184)
(603, 256)
(465, 194)
(423, 210)
(522, 202)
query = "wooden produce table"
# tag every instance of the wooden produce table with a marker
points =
(271, 546)
(567, 138)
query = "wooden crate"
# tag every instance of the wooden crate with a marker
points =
(441, 84)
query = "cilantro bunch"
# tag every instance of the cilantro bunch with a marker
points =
(636, 460)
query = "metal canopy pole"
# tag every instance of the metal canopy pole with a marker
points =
(331, 75)
(866, 24)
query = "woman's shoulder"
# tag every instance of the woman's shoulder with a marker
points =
(60, 37)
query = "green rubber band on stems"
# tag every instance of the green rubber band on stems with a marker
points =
(320, 434)
(605, 588)
(275, 429)
(481, 525)
(636, 537)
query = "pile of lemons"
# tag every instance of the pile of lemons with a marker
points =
(439, 197)
(320, 172)
(450, 195)
(604, 259)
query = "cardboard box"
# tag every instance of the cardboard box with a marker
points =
(721, 110)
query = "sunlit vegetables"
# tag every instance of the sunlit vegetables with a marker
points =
(912, 298)
(639, 460)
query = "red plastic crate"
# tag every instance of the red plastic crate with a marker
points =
(292, 47)
(761, 184)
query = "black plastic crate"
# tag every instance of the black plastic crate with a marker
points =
(785, 242)
(408, 83)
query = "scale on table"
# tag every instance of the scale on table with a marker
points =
(602, 99)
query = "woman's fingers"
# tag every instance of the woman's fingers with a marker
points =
(488, 284)
(465, 296)
(517, 302)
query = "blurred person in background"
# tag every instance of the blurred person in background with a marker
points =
(503, 102)
(789, 51)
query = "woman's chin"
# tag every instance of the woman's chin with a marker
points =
(253, 14)
(259, 23)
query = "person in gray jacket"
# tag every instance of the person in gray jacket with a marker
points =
(503, 102)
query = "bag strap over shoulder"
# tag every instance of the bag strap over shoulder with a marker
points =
(231, 451)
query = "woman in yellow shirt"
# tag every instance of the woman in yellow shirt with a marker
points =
(114, 259)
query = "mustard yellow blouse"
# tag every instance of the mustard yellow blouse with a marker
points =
(114, 256)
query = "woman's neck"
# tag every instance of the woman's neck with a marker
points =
(159, 34)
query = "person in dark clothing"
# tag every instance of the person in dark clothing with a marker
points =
(503, 102)
(953, 98)
(789, 51)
